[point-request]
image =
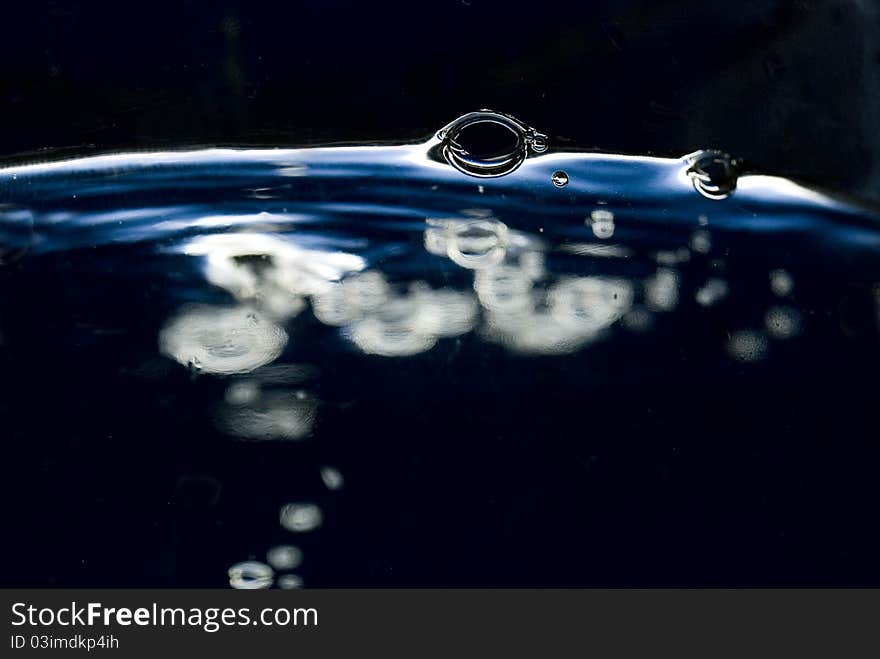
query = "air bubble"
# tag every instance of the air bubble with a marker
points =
(782, 322)
(332, 478)
(488, 144)
(284, 557)
(602, 223)
(559, 178)
(747, 346)
(476, 244)
(222, 340)
(713, 173)
(781, 283)
(250, 575)
(712, 292)
(290, 582)
(661, 290)
(301, 517)
(701, 242)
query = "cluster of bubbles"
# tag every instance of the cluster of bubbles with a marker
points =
(781, 322)
(282, 560)
(515, 299)
(382, 321)
(517, 310)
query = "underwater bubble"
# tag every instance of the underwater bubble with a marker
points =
(436, 236)
(572, 314)
(290, 582)
(284, 557)
(332, 478)
(376, 337)
(747, 345)
(602, 223)
(222, 340)
(445, 312)
(408, 324)
(781, 283)
(712, 292)
(782, 322)
(367, 290)
(277, 415)
(352, 299)
(332, 307)
(661, 290)
(531, 265)
(535, 332)
(559, 178)
(301, 517)
(476, 244)
(250, 575)
(504, 289)
(398, 329)
(713, 173)
(590, 303)
(701, 242)
(603, 230)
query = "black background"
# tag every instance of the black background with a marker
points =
(790, 85)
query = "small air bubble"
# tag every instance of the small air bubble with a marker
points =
(284, 557)
(712, 292)
(701, 242)
(782, 322)
(250, 575)
(781, 283)
(332, 478)
(301, 517)
(290, 582)
(747, 346)
(713, 173)
(560, 179)
(602, 223)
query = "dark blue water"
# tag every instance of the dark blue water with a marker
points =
(360, 366)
